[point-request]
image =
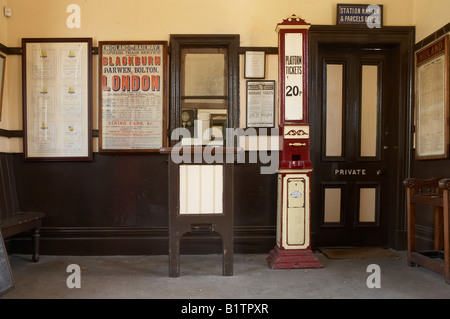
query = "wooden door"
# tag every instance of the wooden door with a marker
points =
(354, 174)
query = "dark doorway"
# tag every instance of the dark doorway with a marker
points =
(359, 111)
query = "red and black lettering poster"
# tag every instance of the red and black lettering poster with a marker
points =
(132, 82)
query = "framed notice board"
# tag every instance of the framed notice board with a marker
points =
(260, 103)
(432, 100)
(132, 96)
(6, 277)
(57, 96)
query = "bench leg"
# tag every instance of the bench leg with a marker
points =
(36, 235)
(227, 262)
(174, 254)
(446, 219)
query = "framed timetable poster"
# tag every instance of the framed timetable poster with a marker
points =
(57, 98)
(132, 96)
(432, 100)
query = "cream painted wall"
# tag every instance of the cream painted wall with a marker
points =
(3, 30)
(254, 20)
(429, 16)
(4, 142)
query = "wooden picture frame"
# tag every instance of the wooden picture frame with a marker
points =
(2, 80)
(6, 276)
(255, 65)
(57, 99)
(432, 100)
(132, 96)
(260, 103)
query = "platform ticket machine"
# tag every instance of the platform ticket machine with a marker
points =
(293, 248)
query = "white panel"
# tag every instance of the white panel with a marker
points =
(207, 189)
(296, 226)
(296, 193)
(201, 189)
(218, 189)
(183, 189)
(369, 110)
(333, 142)
(332, 211)
(295, 220)
(367, 204)
(193, 189)
(293, 78)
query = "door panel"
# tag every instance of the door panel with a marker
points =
(353, 172)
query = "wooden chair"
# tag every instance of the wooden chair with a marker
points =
(432, 193)
(13, 221)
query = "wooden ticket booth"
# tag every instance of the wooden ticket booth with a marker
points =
(200, 199)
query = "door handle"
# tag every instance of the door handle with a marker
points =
(379, 172)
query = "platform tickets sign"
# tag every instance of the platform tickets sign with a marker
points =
(293, 76)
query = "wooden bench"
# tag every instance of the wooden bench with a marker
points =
(12, 220)
(433, 193)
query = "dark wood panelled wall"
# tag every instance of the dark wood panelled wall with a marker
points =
(118, 204)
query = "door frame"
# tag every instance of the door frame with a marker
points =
(400, 38)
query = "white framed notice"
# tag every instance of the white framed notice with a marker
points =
(132, 96)
(57, 98)
(255, 65)
(260, 103)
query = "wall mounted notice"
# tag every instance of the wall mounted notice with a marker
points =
(57, 99)
(260, 103)
(432, 101)
(132, 82)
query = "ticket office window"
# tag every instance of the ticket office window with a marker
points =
(204, 86)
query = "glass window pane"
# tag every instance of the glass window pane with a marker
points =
(204, 72)
(333, 130)
(367, 204)
(332, 211)
(369, 110)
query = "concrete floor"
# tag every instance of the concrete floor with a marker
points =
(146, 277)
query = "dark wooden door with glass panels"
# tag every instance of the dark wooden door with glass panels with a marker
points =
(354, 173)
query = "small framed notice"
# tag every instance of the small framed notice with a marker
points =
(260, 103)
(432, 100)
(57, 98)
(132, 96)
(255, 65)
(6, 277)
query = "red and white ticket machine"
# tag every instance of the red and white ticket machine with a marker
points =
(293, 247)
